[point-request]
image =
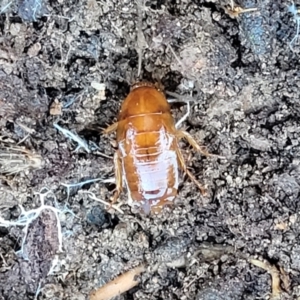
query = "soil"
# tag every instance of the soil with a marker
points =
(72, 63)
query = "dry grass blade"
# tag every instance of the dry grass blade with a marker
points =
(15, 159)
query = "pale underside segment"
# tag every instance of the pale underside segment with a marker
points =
(150, 173)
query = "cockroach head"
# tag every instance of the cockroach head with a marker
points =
(142, 84)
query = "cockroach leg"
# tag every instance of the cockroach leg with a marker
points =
(118, 175)
(183, 134)
(185, 116)
(111, 128)
(186, 170)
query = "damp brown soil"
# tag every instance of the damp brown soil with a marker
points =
(71, 63)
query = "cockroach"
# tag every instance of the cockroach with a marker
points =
(148, 156)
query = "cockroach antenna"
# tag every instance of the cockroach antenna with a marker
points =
(141, 42)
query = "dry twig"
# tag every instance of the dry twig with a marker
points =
(141, 42)
(119, 285)
(234, 11)
(272, 270)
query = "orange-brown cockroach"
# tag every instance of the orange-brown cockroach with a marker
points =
(148, 155)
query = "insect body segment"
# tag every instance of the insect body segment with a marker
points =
(148, 156)
(150, 165)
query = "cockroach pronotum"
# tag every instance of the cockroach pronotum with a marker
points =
(148, 155)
